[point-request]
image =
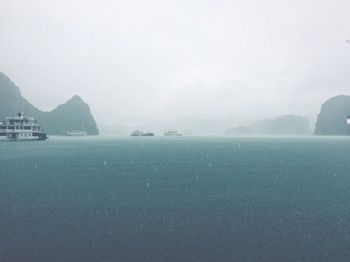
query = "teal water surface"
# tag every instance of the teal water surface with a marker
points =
(175, 199)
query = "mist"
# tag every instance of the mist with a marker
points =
(171, 64)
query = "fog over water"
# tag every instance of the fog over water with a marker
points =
(143, 62)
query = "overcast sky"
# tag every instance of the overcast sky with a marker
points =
(144, 60)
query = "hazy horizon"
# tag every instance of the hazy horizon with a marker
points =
(142, 62)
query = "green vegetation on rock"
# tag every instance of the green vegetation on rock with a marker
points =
(73, 115)
(332, 118)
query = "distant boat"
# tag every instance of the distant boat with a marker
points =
(76, 133)
(141, 133)
(148, 134)
(348, 120)
(21, 128)
(172, 133)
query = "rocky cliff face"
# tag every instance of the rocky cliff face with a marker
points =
(73, 115)
(11, 99)
(332, 118)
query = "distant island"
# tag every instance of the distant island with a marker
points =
(282, 125)
(333, 115)
(75, 114)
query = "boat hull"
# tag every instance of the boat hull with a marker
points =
(14, 136)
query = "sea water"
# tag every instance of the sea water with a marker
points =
(175, 199)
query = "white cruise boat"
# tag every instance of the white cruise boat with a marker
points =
(21, 128)
(141, 133)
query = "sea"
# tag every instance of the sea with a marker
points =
(111, 198)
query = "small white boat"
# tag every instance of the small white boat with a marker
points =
(76, 133)
(172, 133)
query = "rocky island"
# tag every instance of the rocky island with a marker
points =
(332, 119)
(75, 114)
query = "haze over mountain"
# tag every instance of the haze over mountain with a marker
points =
(72, 115)
(142, 62)
(282, 125)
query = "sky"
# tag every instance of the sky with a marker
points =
(138, 61)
